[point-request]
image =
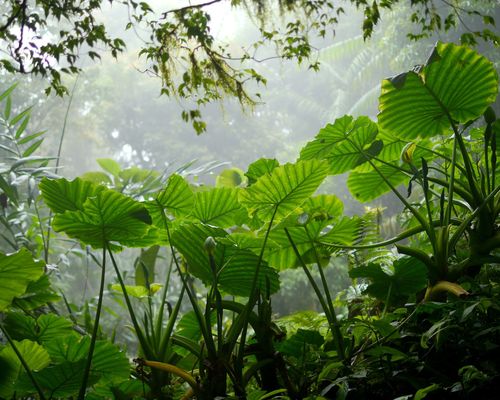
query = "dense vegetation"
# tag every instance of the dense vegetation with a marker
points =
(421, 319)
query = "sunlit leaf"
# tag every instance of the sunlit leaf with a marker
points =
(259, 168)
(345, 144)
(284, 189)
(219, 206)
(106, 216)
(456, 83)
(109, 165)
(62, 195)
(231, 178)
(33, 354)
(235, 266)
(367, 186)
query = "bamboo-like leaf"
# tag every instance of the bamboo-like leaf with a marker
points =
(456, 83)
(345, 144)
(285, 188)
(220, 207)
(17, 270)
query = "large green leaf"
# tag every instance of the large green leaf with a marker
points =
(367, 186)
(456, 82)
(259, 168)
(62, 195)
(108, 362)
(345, 144)
(42, 329)
(235, 266)
(11, 368)
(177, 197)
(17, 270)
(106, 216)
(38, 293)
(312, 245)
(145, 266)
(406, 276)
(57, 381)
(219, 207)
(284, 189)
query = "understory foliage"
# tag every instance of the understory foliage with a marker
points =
(421, 319)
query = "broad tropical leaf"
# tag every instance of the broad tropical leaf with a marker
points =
(109, 362)
(345, 144)
(62, 195)
(284, 189)
(367, 186)
(145, 266)
(43, 329)
(219, 207)
(406, 276)
(259, 168)
(35, 356)
(456, 82)
(17, 271)
(38, 293)
(105, 217)
(235, 266)
(60, 381)
(177, 197)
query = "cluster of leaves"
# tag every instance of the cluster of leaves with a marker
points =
(234, 239)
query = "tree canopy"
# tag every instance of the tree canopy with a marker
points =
(51, 38)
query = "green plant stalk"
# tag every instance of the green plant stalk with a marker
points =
(414, 212)
(237, 327)
(167, 333)
(461, 191)
(207, 335)
(461, 229)
(23, 363)
(218, 306)
(326, 290)
(487, 137)
(449, 207)
(403, 235)
(86, 372)
(387, 301)
(159, 318)
(332, 320)
(140, 334)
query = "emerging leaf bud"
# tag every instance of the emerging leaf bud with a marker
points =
(407, 153)
(209, 245)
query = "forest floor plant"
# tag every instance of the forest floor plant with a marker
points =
(420, 321)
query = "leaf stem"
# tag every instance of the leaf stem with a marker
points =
(86, 372)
